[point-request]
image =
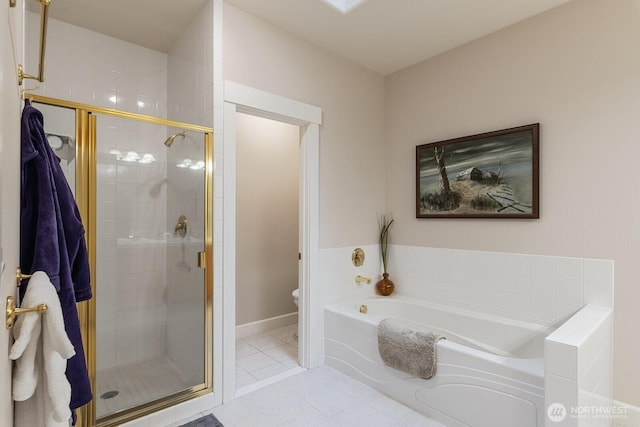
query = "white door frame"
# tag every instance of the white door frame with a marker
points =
(240, 98)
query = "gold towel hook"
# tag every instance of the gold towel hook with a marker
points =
(20, 277)
(12, 311)
(23, 92)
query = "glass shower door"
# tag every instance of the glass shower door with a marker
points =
(144, 190)
(150, 291)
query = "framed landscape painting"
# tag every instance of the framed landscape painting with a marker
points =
(490, 175)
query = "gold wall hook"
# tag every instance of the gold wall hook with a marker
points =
(20, 277)
(22, 75)
(44, 18)
(12, 311)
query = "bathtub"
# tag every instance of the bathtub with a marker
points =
(490, 370)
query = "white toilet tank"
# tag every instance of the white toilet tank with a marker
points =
(295, 295)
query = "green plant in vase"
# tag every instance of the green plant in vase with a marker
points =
(385, 286)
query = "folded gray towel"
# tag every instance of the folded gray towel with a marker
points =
(407, 347)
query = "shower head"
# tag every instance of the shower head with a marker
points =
(169, 140)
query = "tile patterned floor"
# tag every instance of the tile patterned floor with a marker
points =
(137, 383)
(259, 357)
(319, 397)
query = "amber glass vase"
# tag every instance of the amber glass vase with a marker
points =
(385, 286)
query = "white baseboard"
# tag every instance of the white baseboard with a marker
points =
(260, 326)
(633, 415)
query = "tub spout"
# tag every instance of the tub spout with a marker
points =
(361, 279)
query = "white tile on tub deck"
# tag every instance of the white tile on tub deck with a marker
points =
(543, 287)
(598, 270)
(542, 266)
(543, 308)
(569, 290)
(517, 264)
(497, 301)
(519, 284)
(475, 298)
(598, 339)
(569, 268)
(598, 371)
(598, 293)
(519, 304)
(563, 391)
(561, 359)
(564, 310)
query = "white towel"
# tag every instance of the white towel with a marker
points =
(41, 349)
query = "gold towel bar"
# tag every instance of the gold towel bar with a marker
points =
(20, 277)
(13, 311)
(44, 17)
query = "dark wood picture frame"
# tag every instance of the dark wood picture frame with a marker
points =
(489, 175)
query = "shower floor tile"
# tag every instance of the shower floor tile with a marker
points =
(261, 356)
(136, 383)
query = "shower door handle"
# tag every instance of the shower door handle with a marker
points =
(202, 260)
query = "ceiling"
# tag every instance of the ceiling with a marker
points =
(382, 35)
(155, 24)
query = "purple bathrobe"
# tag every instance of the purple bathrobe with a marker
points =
(52, 239)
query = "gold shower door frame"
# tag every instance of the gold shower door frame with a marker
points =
(86, 126)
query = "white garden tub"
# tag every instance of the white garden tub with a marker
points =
(490, 370)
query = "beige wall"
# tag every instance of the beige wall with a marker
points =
(352, 170)
(266, 218)
(576, 70)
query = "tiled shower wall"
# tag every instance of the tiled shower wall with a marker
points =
(91, 68)
(190, 100)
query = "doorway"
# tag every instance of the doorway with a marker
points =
(267, 210)
(307, 118)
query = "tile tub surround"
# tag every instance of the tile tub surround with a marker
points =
(526, 287)
(579, 366)
(541, 289)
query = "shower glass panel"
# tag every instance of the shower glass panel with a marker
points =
(60, 129)
(150, 227)
(144, 189)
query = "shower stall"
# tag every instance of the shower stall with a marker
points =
(144, 189)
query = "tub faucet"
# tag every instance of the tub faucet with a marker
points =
(361, 279)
